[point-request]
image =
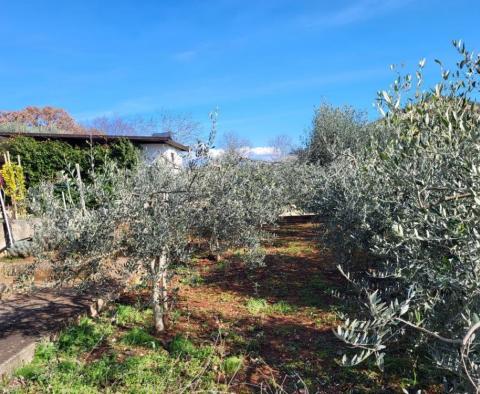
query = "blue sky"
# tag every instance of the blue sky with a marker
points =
(266, 63)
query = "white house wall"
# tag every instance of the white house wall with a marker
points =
(152, 152)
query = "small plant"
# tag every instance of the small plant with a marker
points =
(232, 364)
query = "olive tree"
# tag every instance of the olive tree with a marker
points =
(241, 198)
(413, 204)
(142, 220)
(335, 133)
(138, 224)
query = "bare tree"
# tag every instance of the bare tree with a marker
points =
(181, 126)
(231, 142)
(116, 125)
(282, 145)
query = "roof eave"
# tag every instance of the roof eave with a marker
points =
(167, 140)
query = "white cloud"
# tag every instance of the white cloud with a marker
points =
(216, 152)
(261, 150)
(257, 152)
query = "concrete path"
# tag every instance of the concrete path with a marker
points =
(28, 318)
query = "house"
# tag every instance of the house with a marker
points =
(154, 147)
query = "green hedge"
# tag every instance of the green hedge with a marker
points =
(42, 160)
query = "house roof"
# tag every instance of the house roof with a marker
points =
(158, 138)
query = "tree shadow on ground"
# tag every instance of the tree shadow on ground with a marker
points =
(289, 343)
(295, 270)
(279, 350)
(40, 313)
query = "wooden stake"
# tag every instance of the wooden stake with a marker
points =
(80, 188)
(64, 201)
(7, 229)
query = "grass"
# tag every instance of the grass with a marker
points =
(295, 248)
(181, 346)
(191, 277)
(99, 356)
(129, 315)
(12, 259)
(84, 336)
(231, 365)
(242, 253)
(139, 337)
(257, 306)
(223, 265)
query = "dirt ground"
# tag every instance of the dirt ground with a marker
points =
(278, 320)
(280, 316)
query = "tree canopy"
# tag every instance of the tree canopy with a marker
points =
(38, 119)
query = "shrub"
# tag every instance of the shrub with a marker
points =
(14, 184)
(44, 160)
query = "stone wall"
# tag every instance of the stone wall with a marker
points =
(21, 228)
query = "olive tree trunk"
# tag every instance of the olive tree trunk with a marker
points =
(215, 245)
(159, 291)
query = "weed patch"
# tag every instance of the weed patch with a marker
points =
(231, 365)
(83, 336)
(257, 306)
(129, 315)
(139, 337)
